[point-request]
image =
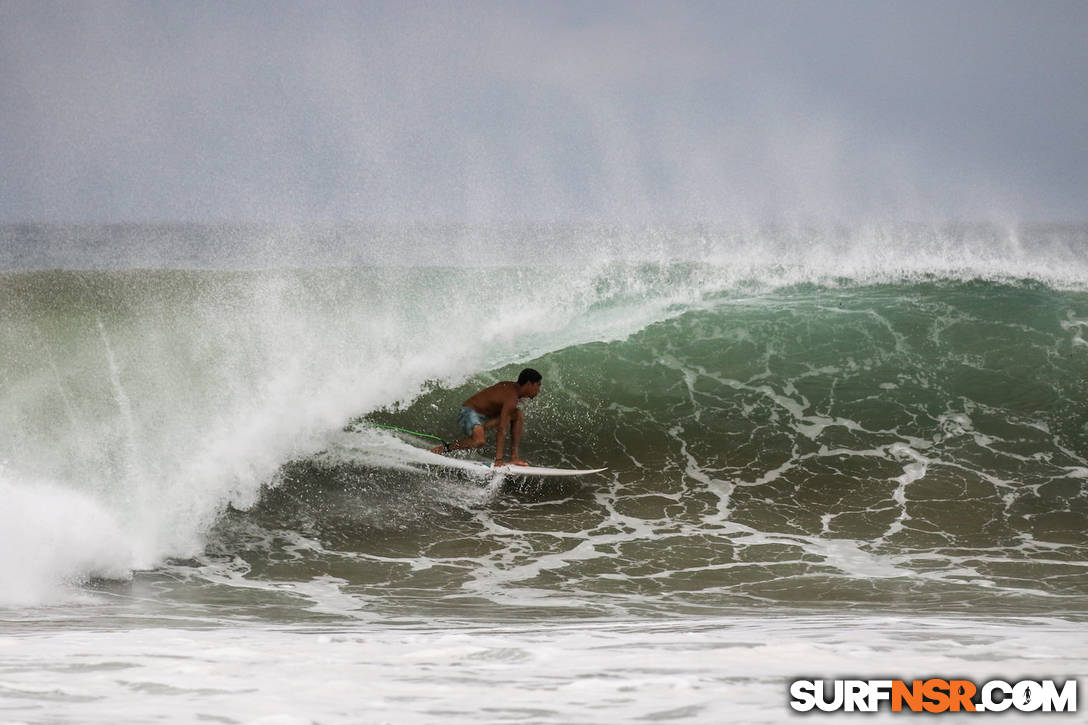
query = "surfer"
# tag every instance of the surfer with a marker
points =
(496, 407)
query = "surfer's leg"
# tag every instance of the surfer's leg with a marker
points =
(476, 440)
(472, 423)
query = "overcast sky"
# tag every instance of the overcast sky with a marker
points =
(472, 111)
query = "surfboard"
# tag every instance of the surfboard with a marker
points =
(538, 471)
(382, 448)
(507, 470)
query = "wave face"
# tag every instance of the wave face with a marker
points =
(911, 435)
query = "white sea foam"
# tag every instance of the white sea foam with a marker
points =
(53, 536)
(711, 670)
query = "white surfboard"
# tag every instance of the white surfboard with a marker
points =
(538, 471)
(383, 449)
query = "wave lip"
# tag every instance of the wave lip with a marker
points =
(1055, 254)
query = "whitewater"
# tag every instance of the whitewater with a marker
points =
(831, 452)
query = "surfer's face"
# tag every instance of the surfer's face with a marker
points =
(529, 390)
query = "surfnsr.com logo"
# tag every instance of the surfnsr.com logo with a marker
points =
(933, 695)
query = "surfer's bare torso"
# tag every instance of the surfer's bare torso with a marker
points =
(490, 402)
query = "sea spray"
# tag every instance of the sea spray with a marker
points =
(54, 539)
(169, 395)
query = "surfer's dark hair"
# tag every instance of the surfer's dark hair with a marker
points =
(528, 375)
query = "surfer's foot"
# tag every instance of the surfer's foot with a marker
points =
(517, 462)
(444, 448)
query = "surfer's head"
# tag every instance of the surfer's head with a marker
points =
(529, 383)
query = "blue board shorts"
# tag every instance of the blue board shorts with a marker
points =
(468, 419)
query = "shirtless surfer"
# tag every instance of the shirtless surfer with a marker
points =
(496, 407)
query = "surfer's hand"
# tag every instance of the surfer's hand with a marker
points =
(518, 462)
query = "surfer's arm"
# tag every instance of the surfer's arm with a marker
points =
(519, 419)
(509, 406)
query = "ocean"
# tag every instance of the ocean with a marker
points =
(833, 452)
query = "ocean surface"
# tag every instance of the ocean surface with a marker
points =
(848, 452)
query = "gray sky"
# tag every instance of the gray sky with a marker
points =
(572, 111)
